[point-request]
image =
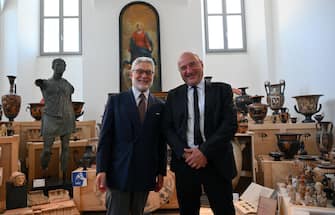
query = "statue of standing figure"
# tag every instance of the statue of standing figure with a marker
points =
(58, 117)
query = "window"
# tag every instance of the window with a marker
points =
(225, 25)
(60, 27)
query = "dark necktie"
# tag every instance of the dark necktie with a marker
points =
(141, 107)
(197, 132)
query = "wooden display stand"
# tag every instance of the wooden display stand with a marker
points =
(30, 132)
(89, 198)
(59, 208)
(77, 149)
(273, 172)
(246, 142)
(266, 140)
(9, 152)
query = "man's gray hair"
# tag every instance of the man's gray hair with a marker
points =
(143, 59)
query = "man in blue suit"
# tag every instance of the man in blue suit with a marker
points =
(131, 156)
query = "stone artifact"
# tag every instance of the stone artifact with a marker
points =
(3, 130)
(307, 105)
(275, 95)
(324, 138)
(16, 191)
(58, 115)
(11, 103)
(257, 110)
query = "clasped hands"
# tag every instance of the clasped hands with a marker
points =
(195, 158)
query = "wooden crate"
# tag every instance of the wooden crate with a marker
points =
(89, 198)
(273, 172)
(77, 149)
(59, 208)
(8, 163)
(266, 141)
(30, 132)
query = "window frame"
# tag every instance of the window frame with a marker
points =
(225, 33)
(60, 18)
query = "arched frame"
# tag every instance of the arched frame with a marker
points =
(139, 36)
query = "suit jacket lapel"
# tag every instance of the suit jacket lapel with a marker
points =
(151, 101)
(182, 101)
(209, 101)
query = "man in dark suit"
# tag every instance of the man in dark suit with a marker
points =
(131, 157)
(199, 124)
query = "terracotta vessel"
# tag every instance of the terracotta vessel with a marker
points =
(77, 107)
(11, 103)
(284, 115)
(289, 143)
(257, 110)
(275, 95)
(243, 101)
(307, 105)
(324, 137)
(36, 110)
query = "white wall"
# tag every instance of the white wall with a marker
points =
(179, 30)
(291, 40)
(304, 41)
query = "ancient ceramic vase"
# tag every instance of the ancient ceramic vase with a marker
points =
(288, 143)
(11, 103)
(88, 157)
(36, 110)
(257, 110)
(243, 101)
(324, 137)
(284, 115)
(275, 95)
(319, 117)
(77, 108)
(307, 105)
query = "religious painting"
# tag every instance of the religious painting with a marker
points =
(139, 36)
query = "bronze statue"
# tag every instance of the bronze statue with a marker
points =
(58, 118)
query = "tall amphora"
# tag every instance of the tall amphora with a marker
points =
(11, 103)
(324, 137)
(275, 95)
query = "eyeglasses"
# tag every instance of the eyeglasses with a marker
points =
(142, 71)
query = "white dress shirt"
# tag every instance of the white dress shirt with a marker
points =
(137, 94)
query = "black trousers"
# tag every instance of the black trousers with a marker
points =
(189, 184)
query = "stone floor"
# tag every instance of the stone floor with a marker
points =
(203, 211)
